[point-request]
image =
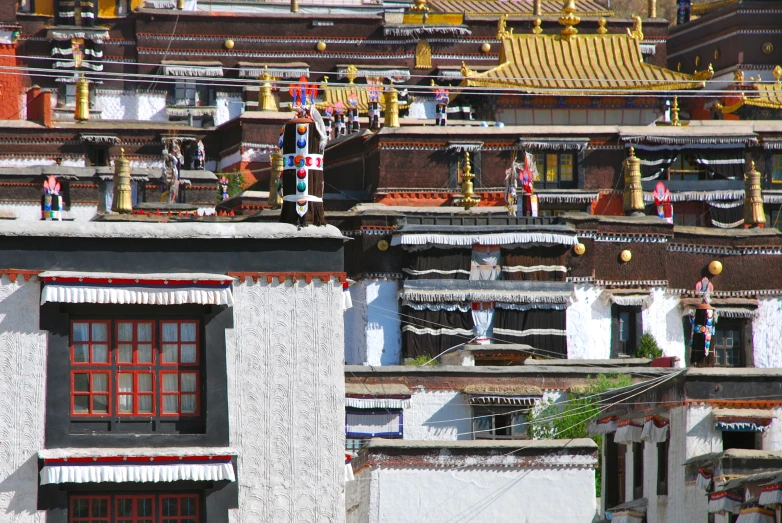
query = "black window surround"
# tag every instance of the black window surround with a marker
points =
(210, 429)
(499, 422)
(457, 163)
(662, 468)
(626, 330)
(731, 344)
(638, 470)
(556, 170)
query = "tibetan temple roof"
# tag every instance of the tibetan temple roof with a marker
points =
(515, 7)
(766, 95)
(593, 63)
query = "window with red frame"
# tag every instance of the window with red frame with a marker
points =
(142, 368)
(135, 508)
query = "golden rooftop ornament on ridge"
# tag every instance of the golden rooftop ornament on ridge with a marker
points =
(467, 200)
(122, 202)
(569, 20)
(754, 215)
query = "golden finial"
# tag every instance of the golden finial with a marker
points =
(351, 73)
(431, 82)
(706, 74)
(537, 8)
(569, 20)
(754, 216)
(637, 33)
(277, 166)
(466, 71)
(265, 97)
(601, 26)
(419, 6)
(738, 76)
(502, 32)
(536, 26)
(82, 112)
(467, 200)
(122, 202)
(777, 72)
(675, 112)
(652, 8)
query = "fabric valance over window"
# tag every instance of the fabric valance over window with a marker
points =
(184, 68)
(439, 264)
(742, 420)
(146, 289)
(384, 423)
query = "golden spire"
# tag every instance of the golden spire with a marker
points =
(265, 97)
(652, 8)
(502, 32)
(467, 201)
(466, 71)
(536, 26)
(275, 198)
(419, 6)
(392, 108)
(537, 8)
(601, 26)
(351, 73)
(777, 72)
(82, 112)
(638, 31)
(569, 20)
(122, 202)
(633, 192)
(675, 112)
(753, 199)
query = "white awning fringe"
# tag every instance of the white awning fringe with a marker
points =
(55, 474)
(135, 295)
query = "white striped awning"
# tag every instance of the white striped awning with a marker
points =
(136, 467)
(126, 288)
(184, 68)
(507, 238)
(503, 399)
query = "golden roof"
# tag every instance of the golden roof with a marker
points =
(515, 7)
(584, 63)
(768, 95)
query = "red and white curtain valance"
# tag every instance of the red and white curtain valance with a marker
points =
(145, 289)
(628, 431)
(655, 429)
(704, 479)
(136, 469)
(757, 514)
(725, 502)
(771, 494)
(604, 425)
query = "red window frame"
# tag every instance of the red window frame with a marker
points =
(135, 393)
(90, 343)
(179, 518)
(179, 343)
(135, 518)
(135, 343)
(89, 519)
(179, 393)
(91, 393)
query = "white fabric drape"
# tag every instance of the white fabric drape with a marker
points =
(654, 434)
(628, 433)
(372, 424)
(377, 403)
(725, 503)
(135, 295)
(483, 318)
(55, 474)
(485, 263)
(771, 495)
(756, 515)
(507, 238)
(604, 426)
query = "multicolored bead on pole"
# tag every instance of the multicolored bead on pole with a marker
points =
(302, 176)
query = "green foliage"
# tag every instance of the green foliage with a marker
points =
(648, 347)
(550, 420)
(235, 184)
(421, 360)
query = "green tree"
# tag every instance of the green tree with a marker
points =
(648, 347)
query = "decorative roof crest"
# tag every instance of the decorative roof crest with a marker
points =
(569, 20)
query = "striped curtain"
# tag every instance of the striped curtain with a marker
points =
(429, 332)
(438, 263)
(540, 263)
(543, 329)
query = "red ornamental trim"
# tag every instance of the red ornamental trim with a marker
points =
(325, 277)
(609, 419)
(13, 274)
(379, 396)
(705, 473)
(137, 281)
(658, 421)
(725, 494)
(135, 459)
(630, 422)
(768, 488)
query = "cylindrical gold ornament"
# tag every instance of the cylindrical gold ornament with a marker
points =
(82, 112)
(122, 202)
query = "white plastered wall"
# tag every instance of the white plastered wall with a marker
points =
(766, 333)
(663, 319)
(32, 211)
(438, 415)
(286, 393)
(22, 399)
(519, 494)
(116, 104)
(588, 324)
(229, 106)
(373, 328)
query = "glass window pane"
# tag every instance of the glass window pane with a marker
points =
(100, 508)
(81, 404)
(188, 403)
(144, 353)
(100, 404)
(126, 382)
(170, 332)
(125, 354)
(188, 507)
(566, 167)
(170, 353)
(124, 331)
(551, 167)
(188, 331)
(145, 382)
(81, 508)
(124, 507)
(169, 506)
(170, 405)
(144, 332)
(144, 404)
(81, 353)
(126, 404)
(777, 168)
(188, 381)
(170, 382)
(144, 507)
(81, 382)
(100, 382)
(188, 353)
(81, 331)
(100, 353)
(100, 332)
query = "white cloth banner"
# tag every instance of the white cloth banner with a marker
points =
(360, 424)
(55, 474)
(629, 433)
(483, 319)
(654, 434)
(377, 403)
(135, 295)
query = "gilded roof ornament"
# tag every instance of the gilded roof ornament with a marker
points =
(537, 29)
(637, 33)
(423, 55)
(706, 74)
(675, 113)
(738, 76)
(502, 32)
(601, 26)
(351, 73)
(777, 72)
(466, 71)
(569, 20)
(419, 6)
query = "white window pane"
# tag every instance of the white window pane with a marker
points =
(81, 353)
(125, 353)
(99, 332)
(188, 353)
(170, 332)
(100, 353)
(145, 382)
(81, 332)
(100, 382)
(170, 404)
(188, 331)
(170, 353)
(126, 382)
(144, 332)
(126, 404)
(145, 403)
(188, 403)
(170, 382)
(188, 381)
(144, 353)
(125, 331)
